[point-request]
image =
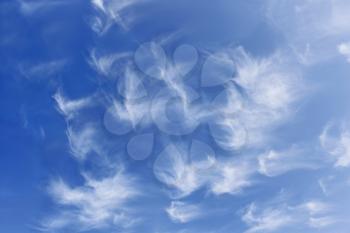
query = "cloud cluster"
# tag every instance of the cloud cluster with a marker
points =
(242, 117)
(258, 94)
(214, 132)
(184, 175)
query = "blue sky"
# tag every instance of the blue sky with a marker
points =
(161, 116)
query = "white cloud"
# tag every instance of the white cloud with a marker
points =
(123, 116)
(335, 139)
(231, 177)
(270, 82)
(42, 70)
(271, 87)
(70, 108)
(319, 214)
(316, 207)
(84, 136)
(174, 168)
(276, 216)
(112, 12)
(344, 49)
(106, 64)
(152, 60)
(183, 212)
(96, 204)
(274, 163)
(266, 220)
(130, 85)
(323, 183)
(84, 140)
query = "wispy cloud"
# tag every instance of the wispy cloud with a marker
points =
(152, 60)
(274, 163)
(70, 108)
(84, 136)
(335, 139)
(123, 116)
(183, 212)
(174, 168)
(335, 183)
(111, 12)
(267, 220)
(265, 79)
(96, 204)
(277, 216)
(86, 139)
(106, 64)
(28, 7)
(130, 85)
(271, 86)
(259, 95)
(231, 177)
(42, 70)
(151, 92)
(312, 28)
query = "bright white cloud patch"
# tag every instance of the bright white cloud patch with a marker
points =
(96, 204)
(231, 177)
(174, 168)
(272, 86)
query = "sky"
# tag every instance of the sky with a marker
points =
(159, 116)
